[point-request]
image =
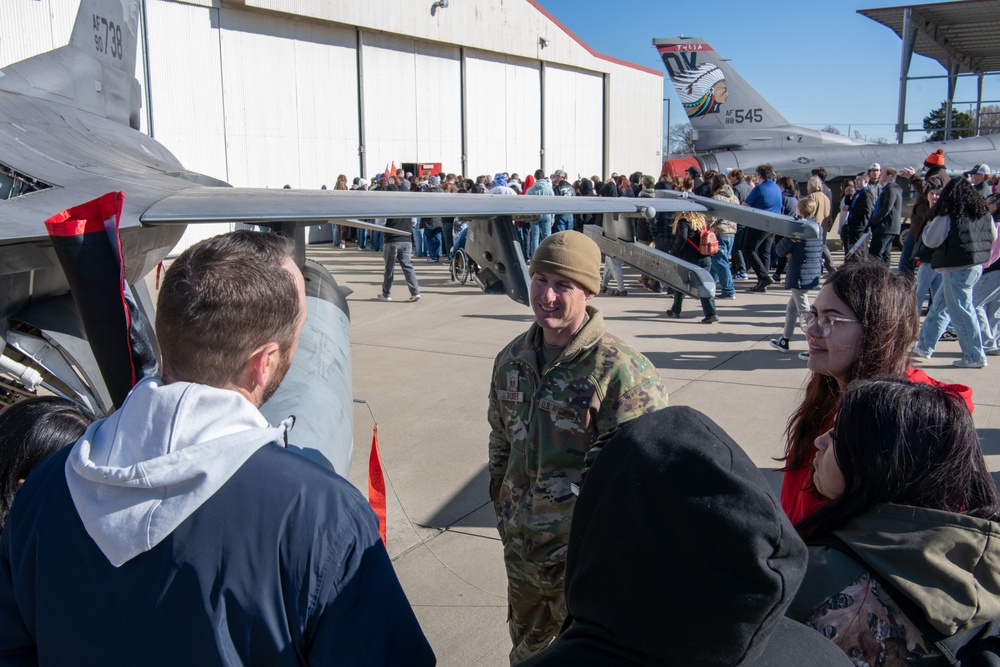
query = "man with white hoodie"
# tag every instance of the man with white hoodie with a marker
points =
(180, 530)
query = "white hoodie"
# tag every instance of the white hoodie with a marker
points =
(135, 476)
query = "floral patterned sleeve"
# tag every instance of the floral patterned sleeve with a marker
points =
(870, 628)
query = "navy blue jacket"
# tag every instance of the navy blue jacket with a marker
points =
(283, 565)
(805, 266)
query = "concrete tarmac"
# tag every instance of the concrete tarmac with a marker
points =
(424, 369)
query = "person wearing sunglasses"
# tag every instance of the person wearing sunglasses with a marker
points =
(861, 325)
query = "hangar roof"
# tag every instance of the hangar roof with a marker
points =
(966, 31)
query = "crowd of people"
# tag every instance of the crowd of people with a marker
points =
(869, 219)
(632, 532)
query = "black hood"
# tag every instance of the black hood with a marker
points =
(609, 190)
(679, 554)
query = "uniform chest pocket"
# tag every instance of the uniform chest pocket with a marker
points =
(562, 415)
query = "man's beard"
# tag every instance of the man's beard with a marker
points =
(279, 375)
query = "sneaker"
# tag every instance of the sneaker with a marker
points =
(343, 246)
(673, 313)
(710, 319)
(962, 363)
(742, 275)
(993, 353)
(617, 292)
(948, 335)
(384, 297)
(917, 353)
(780, 344)
(431, 260)
(728, 297)
(804, 356)
(415, 297)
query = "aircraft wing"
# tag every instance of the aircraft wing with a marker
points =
(772, 223)
(201, 204)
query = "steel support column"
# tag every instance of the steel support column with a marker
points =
(464, 110)
(952, 80)
(909, 40)
(979, 102)
(362, 161)
(606, 131)
(541, 120)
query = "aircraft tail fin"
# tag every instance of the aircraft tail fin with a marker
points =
(96, 71)
(109, 31)
(714, 95)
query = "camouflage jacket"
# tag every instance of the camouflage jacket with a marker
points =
(721, 226)
(547, 425)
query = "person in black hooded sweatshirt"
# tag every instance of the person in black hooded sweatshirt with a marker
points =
(680, 555)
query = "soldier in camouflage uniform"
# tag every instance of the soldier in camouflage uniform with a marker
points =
(558, 392)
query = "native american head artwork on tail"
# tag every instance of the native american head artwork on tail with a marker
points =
(702, 90)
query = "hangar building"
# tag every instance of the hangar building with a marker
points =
(265, 93)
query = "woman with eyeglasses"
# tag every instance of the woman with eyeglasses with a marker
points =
(903, 560)
(862, 325)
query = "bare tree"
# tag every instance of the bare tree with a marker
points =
(989, 119)
(830, 129)
(681, 139)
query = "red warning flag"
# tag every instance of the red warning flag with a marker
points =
(390, 169)
(376, 485)
(86, 242)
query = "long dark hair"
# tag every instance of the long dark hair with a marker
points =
(883, 303)
(30, 431)
(960, 199)
(907, 443)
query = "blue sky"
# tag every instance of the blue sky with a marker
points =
(829, 66)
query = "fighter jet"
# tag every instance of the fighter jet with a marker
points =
(69, 133)
(736, 128)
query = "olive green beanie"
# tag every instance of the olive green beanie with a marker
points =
(572, 255)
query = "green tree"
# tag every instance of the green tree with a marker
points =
(962, 124)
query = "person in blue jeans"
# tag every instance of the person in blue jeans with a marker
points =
(725, 232)
(802, 273)
(542, 227)
(986, 294)
(687, 234)
(961, 232)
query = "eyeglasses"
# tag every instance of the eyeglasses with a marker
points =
(823, 322)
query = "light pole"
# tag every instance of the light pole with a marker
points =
(667, 100)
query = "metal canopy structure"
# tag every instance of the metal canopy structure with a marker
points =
(959, 35)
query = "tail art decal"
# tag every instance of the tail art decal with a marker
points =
(726, 112)
(702, 88)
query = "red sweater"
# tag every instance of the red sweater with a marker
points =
(798, 497)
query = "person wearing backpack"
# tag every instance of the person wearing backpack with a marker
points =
(693, 243)
(802, 272)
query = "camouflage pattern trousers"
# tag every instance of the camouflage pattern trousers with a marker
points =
(536, 605)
